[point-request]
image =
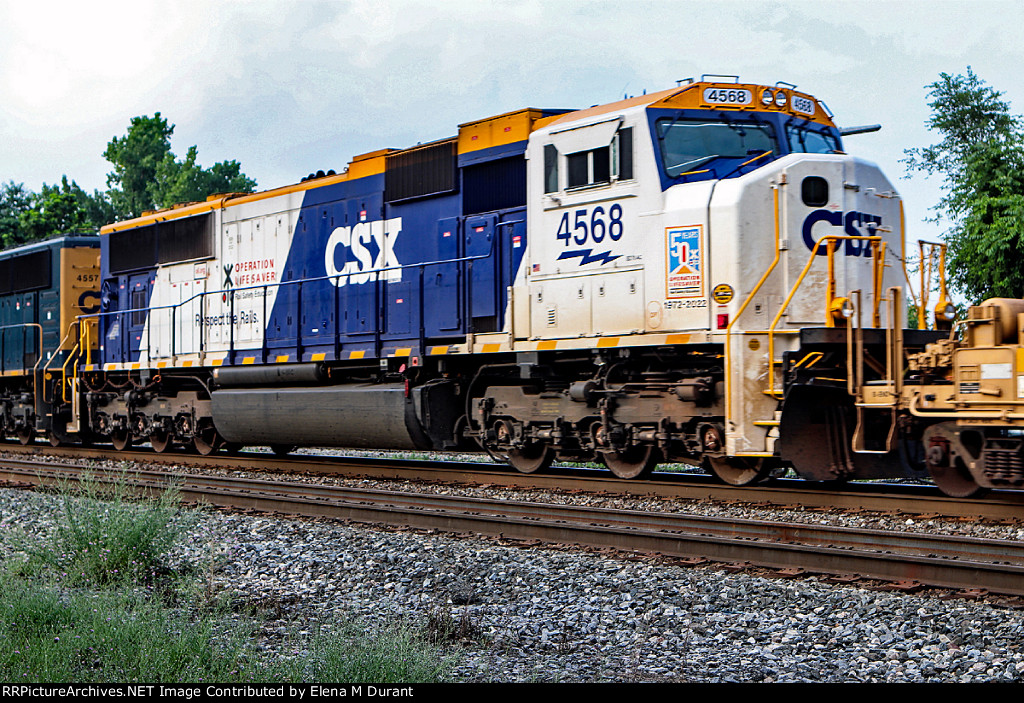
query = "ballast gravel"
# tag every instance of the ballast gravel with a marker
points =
(545, 614)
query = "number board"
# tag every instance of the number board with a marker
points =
(728, 96)
(803, 105)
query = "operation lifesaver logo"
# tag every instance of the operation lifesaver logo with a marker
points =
(684, 262)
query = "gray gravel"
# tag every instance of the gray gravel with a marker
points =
(557, 615)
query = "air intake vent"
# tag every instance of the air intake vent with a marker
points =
(421, 171)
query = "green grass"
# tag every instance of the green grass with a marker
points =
(49, 633)
(95, 602)
(398, 654)
(105, 537)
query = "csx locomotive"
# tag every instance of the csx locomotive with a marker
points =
(697, 275)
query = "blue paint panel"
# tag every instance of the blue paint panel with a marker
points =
(122, 332)
(394, 265)
(443, 281)
(480, 239)
(422, 247)
(408, 272)
(491, 153)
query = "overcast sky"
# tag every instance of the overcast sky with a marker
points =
(287, 88)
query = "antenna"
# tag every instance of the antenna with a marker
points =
(862, 129)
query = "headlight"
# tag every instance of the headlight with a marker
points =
(841, 309)
(945, 312)
(780, 99)
(767, 97)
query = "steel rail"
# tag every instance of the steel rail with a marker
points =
(882, 497)
(935, 560)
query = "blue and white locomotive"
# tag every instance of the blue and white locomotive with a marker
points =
(637, 282)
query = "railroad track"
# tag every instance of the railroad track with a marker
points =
(909, 559)
(912, 500)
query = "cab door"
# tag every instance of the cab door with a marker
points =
(140, 286)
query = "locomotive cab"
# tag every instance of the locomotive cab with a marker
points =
(722, 217)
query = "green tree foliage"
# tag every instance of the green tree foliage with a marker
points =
(147, 175)
(186, 181)
(136, 158)
(14, 202)
(58, 209)
(981, 161)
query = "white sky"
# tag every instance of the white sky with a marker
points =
(287, 88)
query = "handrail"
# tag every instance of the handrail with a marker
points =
(64, 373)
(829, 239)
(377, 278)
(940, 269)
(46, 366)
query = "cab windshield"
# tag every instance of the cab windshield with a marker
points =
(687, 145)
(808, 140)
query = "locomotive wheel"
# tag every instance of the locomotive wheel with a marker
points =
(121, 439)
(282, 449)
(160, 440)
(955, 481)
(739, 471)
(532, 458)
(25, 435)
(55, 441)
(635, 462)
(206, 441)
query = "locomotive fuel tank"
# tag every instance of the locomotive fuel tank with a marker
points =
(370, 416)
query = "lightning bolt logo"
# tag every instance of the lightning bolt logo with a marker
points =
(586, 258)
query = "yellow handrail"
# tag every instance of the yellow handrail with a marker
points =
(64, 374)
(46, 366)
(803, 274)
(879, 250)
(940, 269)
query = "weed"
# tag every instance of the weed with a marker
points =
(53, 634)
(103, 537)
(443, 628)
(563, 645)
(396, 654)
(70, 613)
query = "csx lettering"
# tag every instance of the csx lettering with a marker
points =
(854, 224)
(370, 247)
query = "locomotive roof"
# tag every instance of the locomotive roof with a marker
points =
(516, 126)
(60, 241)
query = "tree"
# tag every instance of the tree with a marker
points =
(136, 158)
(14, 202)
(186, 181)
(58, 209)
(148, 176)
(981, 161)
(63, 209)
